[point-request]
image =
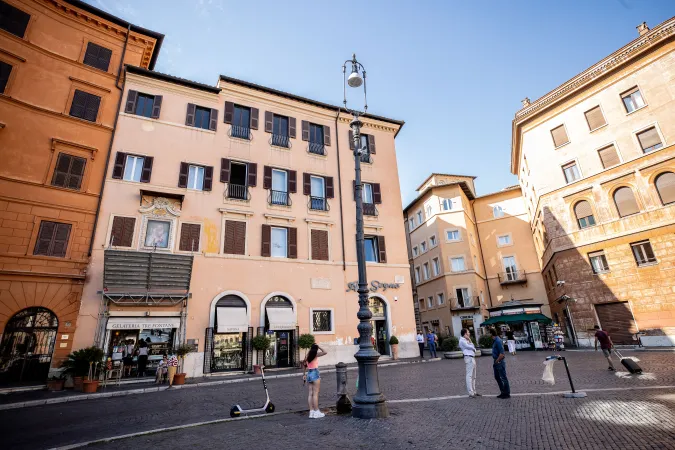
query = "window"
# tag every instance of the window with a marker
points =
(463, 298)
(411, 224)
(598, 262)
(420, 219)
(280, 131)
(415, 251)
(425, 270)
(571, 172)
(504, 240)
(85, 105)
(97, 57)
(52, 239)
(279, 191)
(241, 122)
(644, 255)
(497, 211)
(144, 105)
(452, 235)
(122, 231)
(69, 171)
(133, 168)
(317, 193)
(432, 241)
(157, 234)
(632, 100)
(559, 135)
(5, 71)
(235, 237)
(367, 193)
(649, 140)
(429, 211)
(13, 20)
(199, 178)
(322, 321)
(423, 247)
(319, 244)
(440, 299)
(436, 263)
(457, 264)
(189, 237)
(370, 246)
(665, 186)
(625, 202)
(609, 157)
(418, 276)
(279, 242)
(446, 204)
(584, 214)
(430, 302)
(202, 117)
(316, 139)
(196, 178)
(510, 268)
(594, 118)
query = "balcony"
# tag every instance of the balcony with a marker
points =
(464, 304)
(316, 148)
(369, 209)
(280, 198)
(279, 140)
(318, 204)
(512, 277)
(237, 192)
(239, 132)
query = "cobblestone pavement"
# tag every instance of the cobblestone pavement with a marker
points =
(67, 423)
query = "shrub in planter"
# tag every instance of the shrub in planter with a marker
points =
(450, 344)
(83, 363)
(485, 341)
(305, 342)
(393, 342)
(261, 343)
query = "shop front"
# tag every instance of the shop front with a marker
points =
(281, 327)
(378, 309)
(228, 342)
(524, 320)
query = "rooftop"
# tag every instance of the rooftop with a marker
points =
(172, 79)
(434, 174)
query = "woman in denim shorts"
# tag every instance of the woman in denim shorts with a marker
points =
(310, 374)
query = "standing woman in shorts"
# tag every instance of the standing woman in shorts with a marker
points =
(310, 374)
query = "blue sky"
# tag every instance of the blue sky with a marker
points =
(455, 71)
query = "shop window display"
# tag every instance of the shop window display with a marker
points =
(124, 345)
(228, 351)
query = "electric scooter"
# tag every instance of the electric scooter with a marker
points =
(268, 407)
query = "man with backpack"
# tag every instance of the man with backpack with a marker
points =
(605, 345)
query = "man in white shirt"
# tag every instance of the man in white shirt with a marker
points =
(420, 343)
(469, 352)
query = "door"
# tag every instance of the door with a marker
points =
(283, 348)
(617, 320)
(381, 336)
(510, 268)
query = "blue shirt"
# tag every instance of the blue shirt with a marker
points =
(431, 338)
(497, 347)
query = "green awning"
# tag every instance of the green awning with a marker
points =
(514, 318)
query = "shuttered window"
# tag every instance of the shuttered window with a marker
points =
(584, 214)
(200, 117)
(571, 172)
(5, 71)
(319, 240)
(598, 262)
(643, 253)
(649, 140)
(52, 239)
(235, 237)
(85, 106)
(97, 57)
(594, 118)
(625, 202)
(632, 100)
(665, 186)
(279, 242)
(559, 135)
(609, 156)
(189, 237)
(122, 231)
(69, 171)
(13, 20)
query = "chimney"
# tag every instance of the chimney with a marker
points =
(642, 28)
(526, 102)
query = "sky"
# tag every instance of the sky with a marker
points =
(454, 71)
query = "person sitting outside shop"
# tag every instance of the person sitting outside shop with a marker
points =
(162, 370)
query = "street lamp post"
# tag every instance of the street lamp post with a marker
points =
(369, 402)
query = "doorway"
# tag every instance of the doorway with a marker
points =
(238, 181)
(378, 310)
(283, 341)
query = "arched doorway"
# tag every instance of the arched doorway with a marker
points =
(230, 344)
(378, 308)
(27, 346)
(281, 326)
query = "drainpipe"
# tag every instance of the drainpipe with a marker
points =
(342, 225)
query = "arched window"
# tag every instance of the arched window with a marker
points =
(584, 214)
(665, 186)
(625, 202)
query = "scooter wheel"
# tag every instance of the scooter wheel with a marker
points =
(270, 408)
(235, 412)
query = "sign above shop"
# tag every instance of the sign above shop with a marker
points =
(373, 287)
(137, 323)
(512, 311)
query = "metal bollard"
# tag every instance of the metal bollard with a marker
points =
(344, 403)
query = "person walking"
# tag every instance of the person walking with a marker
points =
(310, 374)
(605, 345)
(420, 343)
(431, 342)
(172, 366)
(511, 342)
(469, 352)
(499, 366)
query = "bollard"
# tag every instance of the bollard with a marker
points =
(573, 394)
(344, 403)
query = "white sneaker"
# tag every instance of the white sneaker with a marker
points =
(312, 414)
(318, 414)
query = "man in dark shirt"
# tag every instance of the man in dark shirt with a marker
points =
(499, 366)
(605, 344)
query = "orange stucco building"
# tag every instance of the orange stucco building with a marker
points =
(60, 64)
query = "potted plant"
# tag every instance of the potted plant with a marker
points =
(56, 382)
(450, 347)
(261, 343)
(181, 352)
(485, 342)
(305, 342)
(393, 342)
(93, 357)
(77, 365)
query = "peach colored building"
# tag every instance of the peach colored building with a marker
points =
(59, 67)
(596, 162)
(229, 213)
(473, 259)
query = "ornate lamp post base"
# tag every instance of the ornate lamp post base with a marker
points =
(369, 403)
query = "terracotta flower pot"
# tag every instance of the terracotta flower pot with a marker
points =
(256, 369)
(55, 385)
(394, 351)
(179, 379)
(77, 383)
(89, 386)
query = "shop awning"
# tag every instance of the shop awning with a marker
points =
(232, 320)
(281, 318)
(142, 323)
(514, 318)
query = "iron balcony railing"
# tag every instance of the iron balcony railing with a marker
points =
(237, 191)
(512, 277)
(237, 131)
(318, 204)
(458, 303)
(279, 140)
(316, 148)
(279, 198)
(369, 209)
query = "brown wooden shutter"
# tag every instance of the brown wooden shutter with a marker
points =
(649, 138)
(62, 170)
(330, 188)
(291, 127)
(252, 174)
(266, 240)
(351, 140)
(583, 209)
(229, 112)
(117, 231)
(305, 130)
(118, 168)
(91, 109)
(371, 144)
(269, 122)
(156, 107)
(326, 136)
(594, 118)
(76, 172)
(60, 242)
(208, 178)
(213, 122)
(190, 117)
(147, 169)
(97, 56)
(254, 118)
(382, 249)
(79, 103)
(235, 237)
(189, 237)
(559, 135)
(292, 243)
(267, 177)
(224, 170)
(44, 239)
(130, 106)
(306, 184)
(128, 232)
(292, 181)
(625, 202)
(609, 156)
(377, 193)
(665, 186)
(183, 175)
(319, 241)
